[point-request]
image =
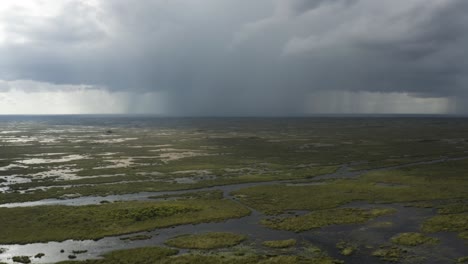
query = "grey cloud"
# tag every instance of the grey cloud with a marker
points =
(298, 7)
(248, 57)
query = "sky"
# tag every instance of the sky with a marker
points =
(233, 57)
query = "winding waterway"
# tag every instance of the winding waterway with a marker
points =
(407, 219)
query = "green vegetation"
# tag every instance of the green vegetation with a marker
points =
(462, 260)
(206, 240)
(280, 243)
(150, 255)
(136, 185)
(216, 194)
(432, 182)
(135, 238)
(448, 222)
(152, 212)
(317, 219)
(145, 255)
(456, 208)
(188, 155)
(21, 259)
(393, 254)
(346, 249)
(79, 251)
(413, 239)
(57, 223)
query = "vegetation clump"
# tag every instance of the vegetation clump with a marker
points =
(456, 208)
(39, 255)
(136, 237)
(208, 195)
(151, 255)
(280, 243)
(22, 259)
(324, 218)
(145, 255)
(448, 223)
(393, 254)
(413, 239)
(346, 249)
(79, 251)
(152, 212)
(206, 240)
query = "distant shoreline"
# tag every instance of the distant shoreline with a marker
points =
(248, 116)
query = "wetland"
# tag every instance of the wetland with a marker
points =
(121, 189)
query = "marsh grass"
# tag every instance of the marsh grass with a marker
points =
(322, 218)
(280, 243)
(455, 208)
(391, 254)
(346, 248)
(206, 240)
(240, 151)
(58, 223)
(413, 239)
(136, 237)
(433, 182)
(150, 255)
(448, 223)
(21, 259)
(144, 255)
(216, 194)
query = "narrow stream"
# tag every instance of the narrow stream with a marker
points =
(342, 173)
(406, 219)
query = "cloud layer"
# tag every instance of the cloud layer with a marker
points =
(238, 57)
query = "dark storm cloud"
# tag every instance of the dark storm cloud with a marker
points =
(246, 57)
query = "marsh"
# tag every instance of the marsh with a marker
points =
(363, 190)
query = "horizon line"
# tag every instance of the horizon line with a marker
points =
(247, 116)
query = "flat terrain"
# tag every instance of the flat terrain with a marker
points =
(107, 189)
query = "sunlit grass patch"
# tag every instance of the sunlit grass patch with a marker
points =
(413, 239)
(346, 248)
(280, 243)
(392, 254)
